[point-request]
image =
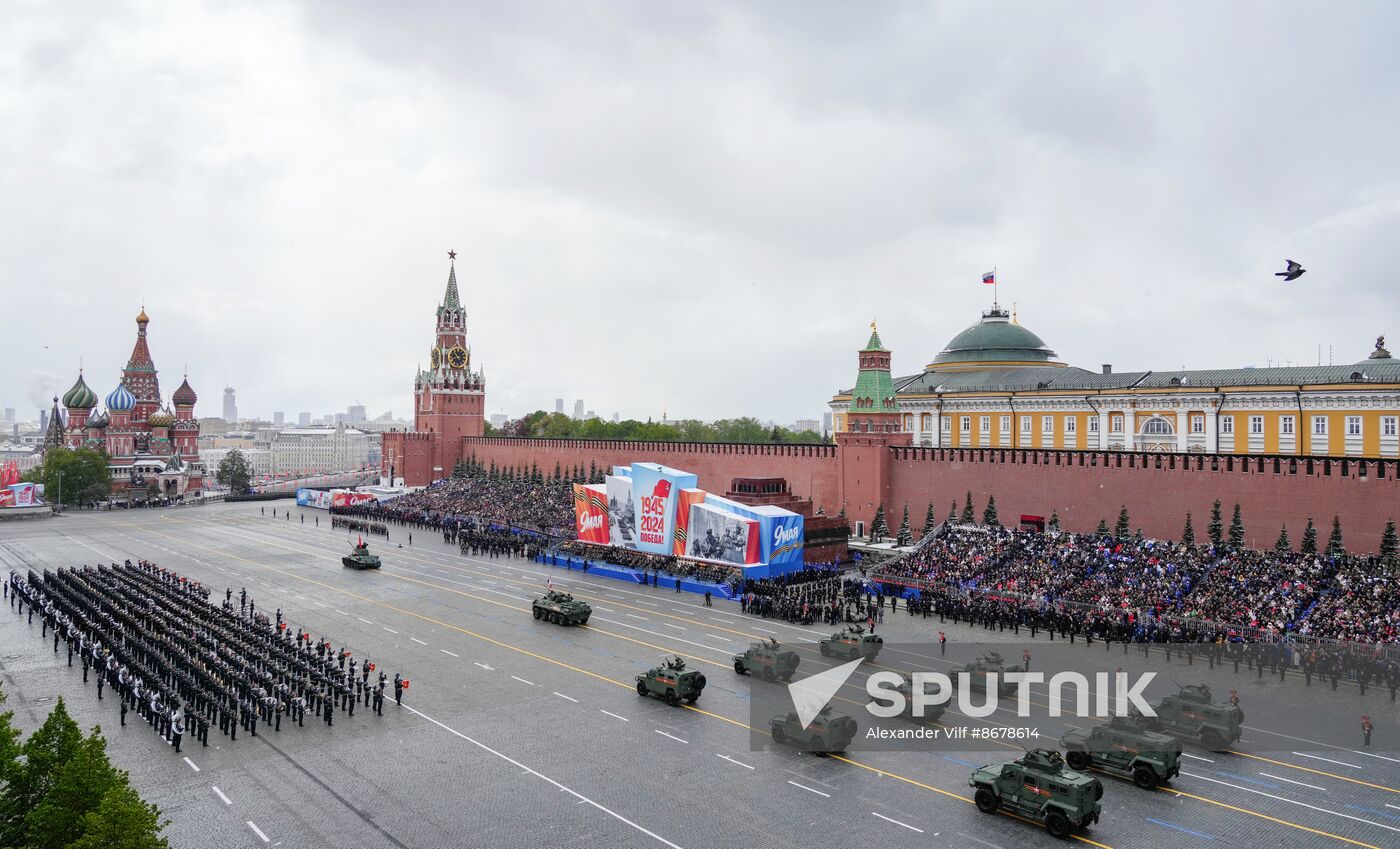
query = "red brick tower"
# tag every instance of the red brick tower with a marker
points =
(872, 428)
(140, 376)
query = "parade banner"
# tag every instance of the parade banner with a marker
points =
(656, 489)
(781, 530)
(317, 499)
(688, 498)
(716, 534)
(23, 494)
(622, 529)
(345, 498)
(591, 512)
(7, 497)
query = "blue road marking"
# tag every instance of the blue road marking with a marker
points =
(1373, 811)
(1181, 828)
(1246, 779)
(960, 761)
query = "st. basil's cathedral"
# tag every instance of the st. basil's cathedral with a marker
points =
(152, 451)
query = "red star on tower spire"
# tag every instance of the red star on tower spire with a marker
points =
(452, 255)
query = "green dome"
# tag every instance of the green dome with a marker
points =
(995, 339)
(80, 397)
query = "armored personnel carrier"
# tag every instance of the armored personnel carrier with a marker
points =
(827, 733)
(851, 644)
(561, 609)
(1040, 787)
(360, 558)
(768, 660)
(931, 713)
(977, 671)
(1123, 746)
(1191, 715)
(672, 682)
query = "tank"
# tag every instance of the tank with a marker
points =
(1191, 715)
(828, 733)
(360, 558)
(672, 681)
(1124, 747)
(1042, 788)
(768, 660)
(561, 609)
(978, 669)
(852, 643)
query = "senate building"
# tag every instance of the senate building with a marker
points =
(998, 385)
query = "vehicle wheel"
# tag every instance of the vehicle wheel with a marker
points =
(826, 652)
(583, 621)
(1144, 777)
(1077, 759)
(819, 745)
(738, 667)
(672, 699)
(690, 700)
(768, 674)
(1058, 825)
(641, 688)
(537, 613)
(778, 735)
(699, 682)
(787, 678)
(1211, 739)
(986, 800)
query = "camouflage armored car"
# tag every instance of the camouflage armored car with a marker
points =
(851, 644)
(977, 672)
(827, 733)
(1190, 715)
(360, 558)
(561, 609)
(931, 713)
(672, 682)
(1040, 787)
(768, 660)
(1123, 746)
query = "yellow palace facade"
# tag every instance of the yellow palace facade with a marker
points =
(997, 385)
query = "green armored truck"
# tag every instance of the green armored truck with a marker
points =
(827, 733)
(561, 609)
(768, 660)
(1123, 746)
(931, 713)
(991, 662)
(851, 644)
(360, 558)
(672, 682)
(1190, 715)
(1040, 787)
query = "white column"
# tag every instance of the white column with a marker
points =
(1181, 422)
(1129, 430)
(1212, 442)
(1103, 428)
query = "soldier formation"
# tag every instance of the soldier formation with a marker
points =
(185, 665)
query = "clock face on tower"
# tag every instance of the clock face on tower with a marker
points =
(435, 358)
(457, 357)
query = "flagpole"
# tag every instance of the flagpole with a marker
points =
(995, 283)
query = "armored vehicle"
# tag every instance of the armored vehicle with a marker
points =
(931, 713)
(561, 609)
(827, 733)
(1041, 787)
(1190, 715)
(1123, 746)
(360, 558)
(768, 660)
(672, 682)
(851, 644)
(978, 669)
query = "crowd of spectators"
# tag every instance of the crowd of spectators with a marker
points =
(545, 506)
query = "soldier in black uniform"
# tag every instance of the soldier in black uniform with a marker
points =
(398, 689)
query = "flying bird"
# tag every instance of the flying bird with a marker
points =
(1293, 272)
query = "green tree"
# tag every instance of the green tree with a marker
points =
(904, 536)
(10, 749)
(1283, 545)
(234, 472)
(989, 515)
(1335, 548)
(73, 476)
(879, 528)
(930, 521)
(1309, 546)
(845, 520)
(1102, 529)
(953, 512)
(1054, 525)
(968, 517)
(1390, 545)
(1236, 529)
(1216, 529)
(78, 788)
(122, 821)
(1124, 528)
(45, 753)
(1188, 533)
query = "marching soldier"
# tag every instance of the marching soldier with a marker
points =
(398, 689)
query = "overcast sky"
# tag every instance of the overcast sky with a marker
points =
(689, 207)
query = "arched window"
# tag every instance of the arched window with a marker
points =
(1157, 426)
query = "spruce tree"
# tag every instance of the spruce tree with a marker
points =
(904, 536)
(1335, 548)
(1309, 546)
(1283, 545)
(989, 516)
(122, 821)
(45, 753)
(558, 472)
(1390, 545)
(1124, 528)
(953, 512)
(879, 529)
(1102, 529)
(10, 750)
(930, 522)
(1216, 529)
(592, 470)
(1236, 529)
(1054, 526)
(845, 521)
(1188, 533)
(968, 516)
(78, 788)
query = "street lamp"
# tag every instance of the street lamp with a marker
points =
(60, 491)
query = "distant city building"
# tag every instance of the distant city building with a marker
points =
(342, 418)
(559, 406)
(578, 409)
(43, 420)
(230, 405)
(382, 424)
(278, 418)
(329, 419)
(303, 419)
(259, 459)
(617, 417)
(499, 420)
(355, 413)
(826, 422)
(315, 450)
(807, 424)
(9, 415)
(590, 416)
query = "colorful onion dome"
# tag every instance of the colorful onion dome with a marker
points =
(184, 396)
(121, 400)
(143, 318)
(99, 420)
(161, 418)
(80, 397)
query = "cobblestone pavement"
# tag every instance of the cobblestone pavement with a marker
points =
(520, 733)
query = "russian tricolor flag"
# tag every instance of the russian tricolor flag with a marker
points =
(990, 278)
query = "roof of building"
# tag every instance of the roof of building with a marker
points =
(185, 395)
(120, 400)
(994, 338)
(80, 397)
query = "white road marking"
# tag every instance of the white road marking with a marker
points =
(522, 680)
(318, 604)
(341, 612)
(482, 665)
(220, 794)
(302, 597)
(647, 603)
(445, 651)
(390, 630)
(672, 736)
(731, 760)
(192, 764)
(418, 641)
(635, 616)
(1294, 802)
(1291, 781)
(604, 609)
(614, 716)
(677, 627)
(562, 696)
(809, 789)
(725, 621)
(1329, 760)
(1196, 757)
(1396, 807)
(574, 793)
(896, 822)
(764, 630)
(364, 620)
(257, 831)
(716, 637)
(681, 612)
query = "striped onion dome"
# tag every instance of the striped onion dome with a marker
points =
(99, 420)
(121, 400)
(80, 397)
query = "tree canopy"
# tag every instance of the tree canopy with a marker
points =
(543, 425)
(73, 475)
(234, 472)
